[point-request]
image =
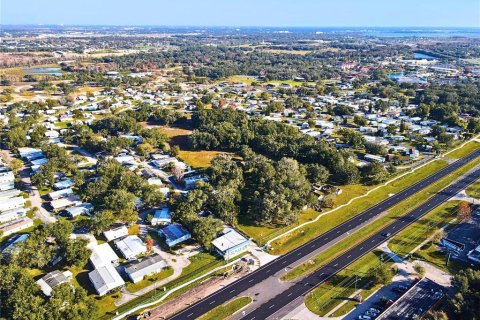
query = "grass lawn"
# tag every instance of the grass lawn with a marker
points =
(338, 289)
(244, 79)
(474, 190)
(327, 222)
(395, 212)
(198, 159)
(432, 255)
(226, 310)
(134, 287)
(465, 150)
(134, 229)
(416, 233)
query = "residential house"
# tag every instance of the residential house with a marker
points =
(162, 217)
(117, 232)
(174, 234)
(53, 279)
(130, 247)
(137, 270)
(16, 226)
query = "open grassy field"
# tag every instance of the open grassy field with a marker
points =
(198, 159)
(431, 254)
(280, 51)
(226, 310)
(333, 219)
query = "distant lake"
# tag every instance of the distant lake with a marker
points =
(49, 71)
(419, 55)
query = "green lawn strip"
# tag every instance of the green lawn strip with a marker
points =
(464, 151)
(474, 190)
(395, 212)
(226, 310)
(347, 307)
(149, 280)
(406, 240)
(329, 221)
(341, 286)
(430, 253)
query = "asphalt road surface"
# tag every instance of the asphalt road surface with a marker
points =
(322, 274)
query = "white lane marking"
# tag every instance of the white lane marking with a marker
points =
(212, 302)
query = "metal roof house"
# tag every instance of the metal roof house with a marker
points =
(230, 244)
(16, 226)
(63, 184)
(116, 232)
(12, 215)
(12, 203)
(174, 234)
(104, 277)
(55, 195)
(137, 270)
(162, 217)
(130, 247)
(49, 281)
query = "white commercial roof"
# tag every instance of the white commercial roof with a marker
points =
(229, 240)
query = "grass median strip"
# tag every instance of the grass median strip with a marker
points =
(226, 310)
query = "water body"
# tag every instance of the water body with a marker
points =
(50, 71)
(419, 55)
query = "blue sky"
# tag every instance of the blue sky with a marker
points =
(446, 13)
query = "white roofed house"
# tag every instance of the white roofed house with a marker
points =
(12, 203)
(13, 214)
(104, 277)
(130, 247)
(137, 270)
(16, 226)
(230, 244)
(116, 232)
(7, 181)
(55, 278)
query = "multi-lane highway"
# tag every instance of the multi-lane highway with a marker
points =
(322, 274)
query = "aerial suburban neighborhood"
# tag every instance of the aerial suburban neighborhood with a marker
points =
(239, 172)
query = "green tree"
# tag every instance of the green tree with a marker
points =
(466, 301)
(77, 253)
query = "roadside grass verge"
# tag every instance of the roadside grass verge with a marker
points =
(226, 310)
(474, 190)
(330, 220)
(430, 253)
(412, 236)
(394, 213)
(464, 151)
(339, 288)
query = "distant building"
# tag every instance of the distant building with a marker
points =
(138, 269)
(130, 247)
(49, 281)
(230, 244)
(174, 234)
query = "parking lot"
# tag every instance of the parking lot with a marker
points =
(467, 233)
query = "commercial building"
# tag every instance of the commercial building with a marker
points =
(230, 244)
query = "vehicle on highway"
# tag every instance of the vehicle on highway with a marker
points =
(386, 234)
(364, 317)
